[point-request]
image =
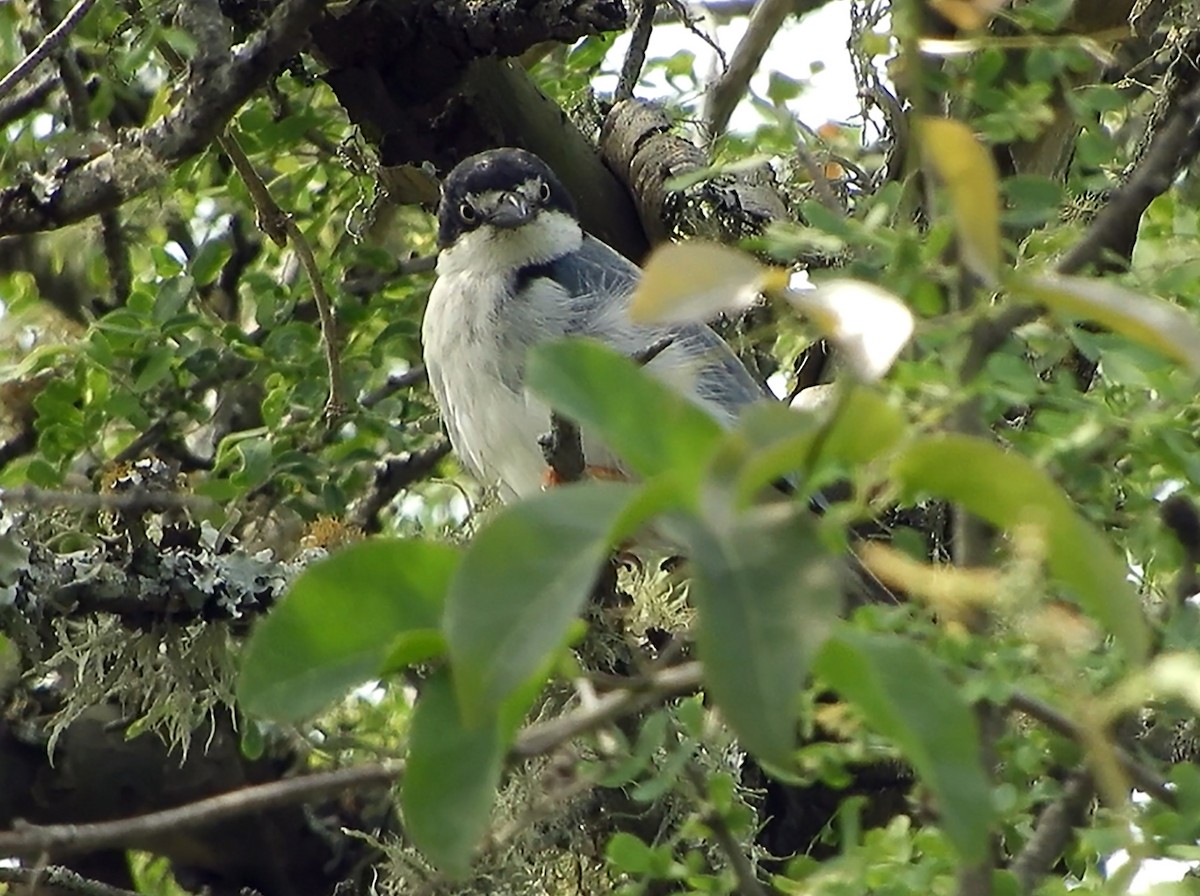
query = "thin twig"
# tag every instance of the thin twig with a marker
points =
(535, 740)
(635, 57)
(816, 173)
(59, 879)
(653, 350)
(282, 229)
(47, 46)
(766, 19)
(1052, 832)
(1145, 779)
(21, 104)
(366, 284)
(116, 253)
(395, 382)
(543, 737)
(392, 475)
(743, 870)
(67, 839)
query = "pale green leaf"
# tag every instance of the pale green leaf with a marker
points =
(1153, 322)
(523, 580)
(767, 595)
(697, 280)
(1010, 491)
(450, 778)
(338, 623)
(904, 695)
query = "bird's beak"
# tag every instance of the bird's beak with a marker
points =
(512, 210)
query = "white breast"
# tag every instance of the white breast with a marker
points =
(476, 370)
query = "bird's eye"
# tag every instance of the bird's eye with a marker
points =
(467, 211)
(544, 192)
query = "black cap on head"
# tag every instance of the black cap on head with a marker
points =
(506, 170)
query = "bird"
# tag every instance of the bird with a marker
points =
(515, 269)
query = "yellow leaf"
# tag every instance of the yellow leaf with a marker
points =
(697, 280)
(967, 15)
(1153, 322)
(951, 590)
(968, 172)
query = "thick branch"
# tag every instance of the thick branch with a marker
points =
(142, 160)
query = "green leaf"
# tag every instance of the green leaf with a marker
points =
(853, 429)
(646, 423)
(903, 694)
(209, 260)
(1153, 322)
(339, 622)
(524, 578)
(450, 778)
(150, 369)
(1009, 491)
(628, 854)
(766, 593)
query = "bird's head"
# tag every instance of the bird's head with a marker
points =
(505, 208)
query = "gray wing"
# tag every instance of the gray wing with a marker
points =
(698, 360)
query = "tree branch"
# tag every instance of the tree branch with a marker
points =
(543, 737)
(635, 58)
(47, 46)
(1053, 831)
(72, 839)
(766, 19)
(21, 104)
(61, 879)
(1143, 778)
(80, 188)
(395, 382)
(26, 840)
(1113, 230)
(391, 476)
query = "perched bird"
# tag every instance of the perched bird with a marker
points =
(515, 270)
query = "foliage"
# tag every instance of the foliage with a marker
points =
(1042, 405)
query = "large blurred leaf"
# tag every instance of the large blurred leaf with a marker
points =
(1162, 326)
(450, 778)
(767, 594)
(854, 427)
(524, 578)
(868, 325)
(1008, 491)
(337, 624)
(697, 280)
(651, 427)
(968, 172)
(904, 695)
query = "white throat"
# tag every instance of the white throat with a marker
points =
(488, 250)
